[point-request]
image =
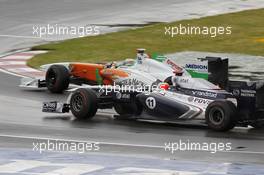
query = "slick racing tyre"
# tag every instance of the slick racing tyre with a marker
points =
(220, 115)
(57, 78)
(83, 104)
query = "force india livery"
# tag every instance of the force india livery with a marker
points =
(140, 71)
(209, 98)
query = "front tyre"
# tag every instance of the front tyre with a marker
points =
(57, 78)
(83, 104)
(220, 115)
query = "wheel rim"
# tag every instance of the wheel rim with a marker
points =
(51, 78)
(216, 115)
(77, 102)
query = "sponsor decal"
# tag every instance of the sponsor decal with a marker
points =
(141, 57)
(151, 102)
(131, 81)
(139, 60)
(204, 94)
(184, 80)
(115, 77)
(244, 93)
(247, 93)
(196, 66)
(201, 101)
(49, 106)
(236, 92)
(173, 65)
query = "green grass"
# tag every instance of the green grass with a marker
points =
(247, 28)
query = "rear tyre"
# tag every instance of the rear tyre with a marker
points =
(220, 115)
(168, 80)
(83, 104)
(234, 119)
(57, 78)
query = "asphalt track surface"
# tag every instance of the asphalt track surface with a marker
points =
(22, 122)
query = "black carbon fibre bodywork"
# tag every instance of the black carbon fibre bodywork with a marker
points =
(250, 99)
(164, 108)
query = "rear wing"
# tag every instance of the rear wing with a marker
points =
(218, 74)
(217, 70)
(250, 98)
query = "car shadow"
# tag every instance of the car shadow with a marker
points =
(134, 126)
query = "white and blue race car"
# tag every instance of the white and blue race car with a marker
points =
(221, 105)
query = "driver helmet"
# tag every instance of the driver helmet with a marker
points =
(113, 65)
(141, 55)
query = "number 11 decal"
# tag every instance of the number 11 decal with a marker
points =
(151, 102)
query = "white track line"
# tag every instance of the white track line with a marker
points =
(14, 52)
(21, 165)
(17, 166)
(70, 140)
(11, 73)
(16, 57)
(18, 36)
(39, 38)
(118, 144)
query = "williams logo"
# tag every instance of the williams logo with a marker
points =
(236, 92)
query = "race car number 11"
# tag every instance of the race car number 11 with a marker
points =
(151, 102)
